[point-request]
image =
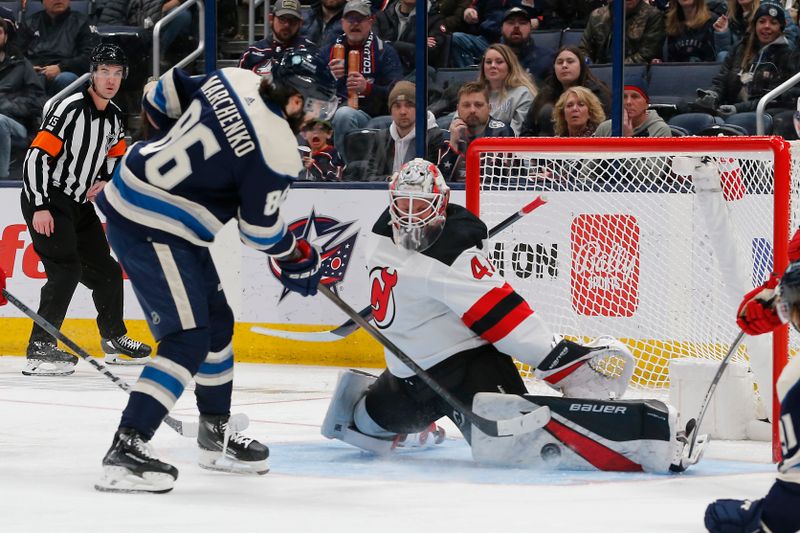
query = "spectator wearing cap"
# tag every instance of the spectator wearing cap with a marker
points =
(644, 33)
(378, 71)
(739, 19)
(637, 120)
(57, 41)
(286, 20)
(21, 94)
(517, 35)
(484, 21)
(323, 162)
(758, 64)
(396, 144)
(397, 25)
(322, 23)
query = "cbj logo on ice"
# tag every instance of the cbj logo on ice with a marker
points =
(381, 295)
(336, 240)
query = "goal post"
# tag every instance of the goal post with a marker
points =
(633, 245)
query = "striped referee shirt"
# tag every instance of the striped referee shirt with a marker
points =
(76, 145)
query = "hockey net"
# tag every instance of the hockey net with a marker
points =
(627, 246)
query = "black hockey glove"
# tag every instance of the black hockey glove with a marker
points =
(301, 274)
(734, 516)
(706, 99)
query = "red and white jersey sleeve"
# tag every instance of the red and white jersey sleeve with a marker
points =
(432, 310)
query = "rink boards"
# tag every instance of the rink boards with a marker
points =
(339, 220)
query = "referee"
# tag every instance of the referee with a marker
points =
(68, 163)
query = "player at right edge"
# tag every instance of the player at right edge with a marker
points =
(763, 310)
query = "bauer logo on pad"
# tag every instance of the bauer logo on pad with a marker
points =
(605, 265)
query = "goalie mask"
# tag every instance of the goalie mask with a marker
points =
(418, 199)
(788, 304)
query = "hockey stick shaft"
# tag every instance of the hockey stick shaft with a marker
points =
(714, 382)
(495, 428)
(350, 327)
(177, 425)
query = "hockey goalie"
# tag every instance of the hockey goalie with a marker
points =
(435, 294)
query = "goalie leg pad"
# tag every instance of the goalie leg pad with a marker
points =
(602, 369)
(339, 422)
(583, 434)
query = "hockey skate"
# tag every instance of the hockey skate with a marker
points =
(687, 452)
(123, 350)
(223, 448)
(129, 466)
(45, 359)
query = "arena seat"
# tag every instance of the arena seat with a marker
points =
(694, 122)
(571, 37)
(722, 130)
(15, 7)
(676, 83)
(747, 121)
(603, 71)
(550, 39)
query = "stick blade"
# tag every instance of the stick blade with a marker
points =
(306, 336)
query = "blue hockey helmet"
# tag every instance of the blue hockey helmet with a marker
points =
(309, 75)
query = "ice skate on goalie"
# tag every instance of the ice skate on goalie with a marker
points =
(585, 434)
(601, 369)
(339, 423)
(224, 448)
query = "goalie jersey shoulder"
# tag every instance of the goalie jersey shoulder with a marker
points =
(462, 231)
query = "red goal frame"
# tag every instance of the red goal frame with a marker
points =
(782, 197)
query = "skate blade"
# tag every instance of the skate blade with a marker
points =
(47, 368)
(124, 360)
(211, 460)
(120, 479)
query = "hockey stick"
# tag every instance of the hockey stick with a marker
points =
(187, 429)
(350, 326)
(714, 382)
(495, 428)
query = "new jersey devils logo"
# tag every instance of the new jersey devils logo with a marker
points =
(381, 283)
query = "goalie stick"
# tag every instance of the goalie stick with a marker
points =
(350, 327)
(714, 382)
(525, 423)
(187, 429)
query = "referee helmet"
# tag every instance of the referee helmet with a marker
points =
(108, 54)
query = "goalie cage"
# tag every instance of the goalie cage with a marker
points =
(627, 246)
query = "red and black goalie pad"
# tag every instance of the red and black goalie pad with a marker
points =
(497, 313)
(583, 434)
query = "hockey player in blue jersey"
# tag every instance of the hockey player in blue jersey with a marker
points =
(763, 310)
(225, 148)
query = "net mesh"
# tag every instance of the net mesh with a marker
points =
(636, 245)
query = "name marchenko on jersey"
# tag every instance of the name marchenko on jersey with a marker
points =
(228, 115)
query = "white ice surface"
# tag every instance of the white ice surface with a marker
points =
(55, 432)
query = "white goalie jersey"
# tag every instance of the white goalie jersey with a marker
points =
(448, 298)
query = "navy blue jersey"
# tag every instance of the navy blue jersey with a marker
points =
(226, 154)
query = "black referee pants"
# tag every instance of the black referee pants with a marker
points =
(76, 252)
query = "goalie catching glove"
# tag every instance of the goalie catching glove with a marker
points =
(601, 370)
(300, 271)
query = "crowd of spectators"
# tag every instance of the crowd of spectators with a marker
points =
(501, 51)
